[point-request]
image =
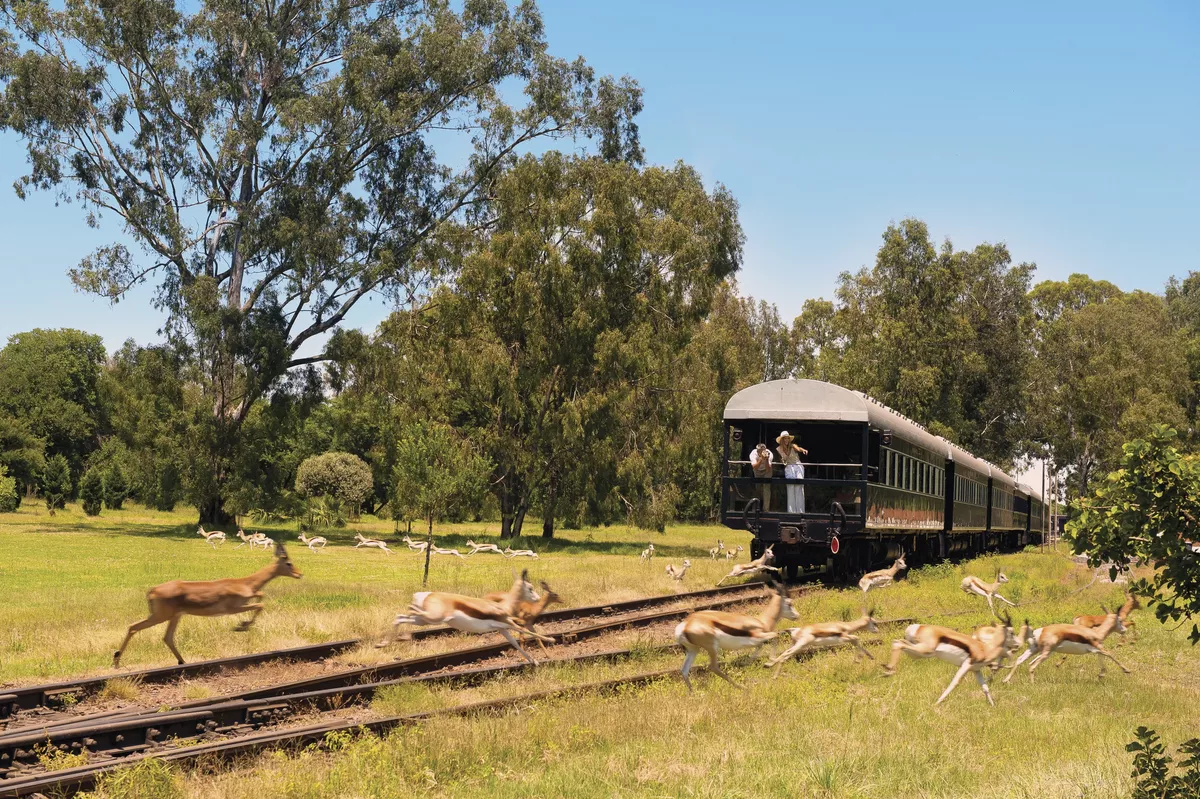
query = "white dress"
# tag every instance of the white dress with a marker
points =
(793, 469)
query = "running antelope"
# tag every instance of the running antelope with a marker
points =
(509, 552)
(439, 551)
(172, 601)
(648, 552)
(415, 546)
(256, 540)
(529, 612)
(756, 566)
(467, 614)
(882, 577)
(827, 634)
(731, 554)
(213, 538)
(713, 630)
(1070, 639)
(970, 654)
(676, 572)
(477, 548)
(363, 541)
(510, 599)
(316, 543)
(1131, 604)
(716, 551)
(974, 585)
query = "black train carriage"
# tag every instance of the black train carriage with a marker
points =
(875, 484)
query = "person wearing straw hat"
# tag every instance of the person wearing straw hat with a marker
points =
(789, 455)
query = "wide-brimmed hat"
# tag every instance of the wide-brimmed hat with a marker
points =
(783, 435)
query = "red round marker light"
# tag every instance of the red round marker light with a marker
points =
(835, 545)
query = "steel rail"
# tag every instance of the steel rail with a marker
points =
(252, 708)
(69, 781)
(16, 699)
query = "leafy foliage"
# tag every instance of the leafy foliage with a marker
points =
(116, 487)
(339, 476)
(1152, 772)
(10, 497)
(274, 167)
(1148, 512)
(56, 483)
(91, 492)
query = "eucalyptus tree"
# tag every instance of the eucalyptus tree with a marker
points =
(268, 164)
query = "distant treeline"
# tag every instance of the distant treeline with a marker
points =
(581, 403)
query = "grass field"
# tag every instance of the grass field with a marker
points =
(826, 727)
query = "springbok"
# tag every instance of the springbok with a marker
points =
(882, 577)
(172, 601)
(968, 653)
(363, 541)
(509, 552)
(716, 551)
(256, 540)
(415, 546)
(212, 538)
(713, 630)
(477, 548)
(974, 585)
(757, 566)
(439, 551)
(827, 634)
(316, 543)
(731, 554)
(510, 599)
(527, 613)
(648, 552)
(1131, 604)
(1070, 639)
(469, 615)
(676, 572)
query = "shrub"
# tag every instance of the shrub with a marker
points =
(344, 478)
(56, 483)
(10, 497)
(116, 487)
(91, 492)
(1152, 768)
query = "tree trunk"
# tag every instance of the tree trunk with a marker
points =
(548, 507)
(428, 550)
(519, 519)
(213, 513)
(506, 513)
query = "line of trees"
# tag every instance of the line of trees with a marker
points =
(568, 324)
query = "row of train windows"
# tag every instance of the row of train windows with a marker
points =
(969, 491)
(1002, 499)
(906, 472)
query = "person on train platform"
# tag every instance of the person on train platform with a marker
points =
(789, 455)
(761, 463)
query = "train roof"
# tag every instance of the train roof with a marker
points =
(815, 400)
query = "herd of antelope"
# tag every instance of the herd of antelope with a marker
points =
(513, 614)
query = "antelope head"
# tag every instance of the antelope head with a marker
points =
(787, 609)
(869, 615)
(548, 593)
(283, 564)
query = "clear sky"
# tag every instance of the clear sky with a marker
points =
(1067, 130)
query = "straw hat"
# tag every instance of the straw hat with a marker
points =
(785, 435)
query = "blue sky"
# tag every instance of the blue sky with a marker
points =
(1069, 132)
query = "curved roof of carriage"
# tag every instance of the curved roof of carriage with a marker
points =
(816, 400)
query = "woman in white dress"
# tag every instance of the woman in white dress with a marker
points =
(793, 469)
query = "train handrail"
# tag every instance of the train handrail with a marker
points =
(756, 504)
(836, 528)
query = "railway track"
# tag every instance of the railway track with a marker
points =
(69, 781)
(15, 700)
(119, 735)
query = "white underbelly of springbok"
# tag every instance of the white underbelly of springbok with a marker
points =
(727, 641)
(466, 623)
(1074, 648)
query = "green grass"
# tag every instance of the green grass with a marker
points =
(827, 727)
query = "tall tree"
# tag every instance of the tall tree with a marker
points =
(50, 381)
(1108, 367)
(274, 164)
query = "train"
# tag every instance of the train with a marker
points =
(875, 485)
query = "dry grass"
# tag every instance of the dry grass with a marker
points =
(827, 727)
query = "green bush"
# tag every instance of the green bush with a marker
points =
(116, 487)
(91, 492)
(56, 483)
(1152, 768)
(339, 476)
(10, 497)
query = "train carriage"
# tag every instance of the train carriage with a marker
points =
(874, 483)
